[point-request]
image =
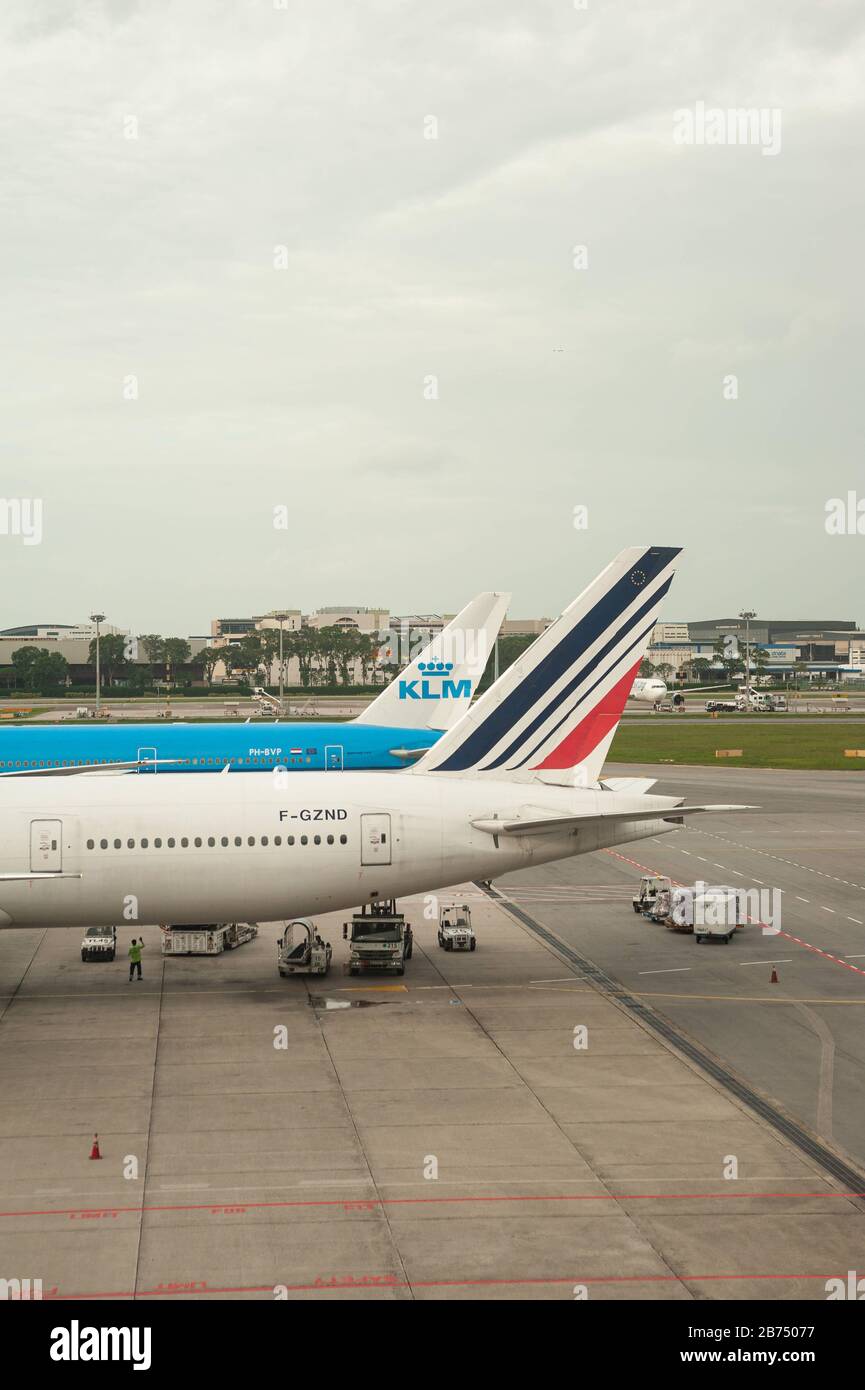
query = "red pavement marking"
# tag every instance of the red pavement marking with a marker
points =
(386, 1281)
(373, 1203)
(806, 945)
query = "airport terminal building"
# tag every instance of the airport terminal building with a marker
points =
(832, 649)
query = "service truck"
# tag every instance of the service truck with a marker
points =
(716, 912)
(379, 938)
(759, 702)
(207, 938)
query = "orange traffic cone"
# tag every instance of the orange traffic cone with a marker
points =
(94, 1152)
(773, 978)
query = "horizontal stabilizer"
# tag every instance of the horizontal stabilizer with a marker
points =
(638, 785)
(546, 825)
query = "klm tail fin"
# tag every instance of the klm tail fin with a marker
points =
(552, 715)
(436, 688)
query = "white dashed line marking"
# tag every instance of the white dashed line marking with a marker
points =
(677, 970)
(857, 920)
(794, 863)
(788, 961)
(802, 900)
(181, 1186)
(826, 909)
(331, 1182)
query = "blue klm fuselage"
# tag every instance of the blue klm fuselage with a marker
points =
(209, 747)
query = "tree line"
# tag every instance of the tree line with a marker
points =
(327, 656)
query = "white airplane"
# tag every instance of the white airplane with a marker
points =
(513, 784)
(649, 690)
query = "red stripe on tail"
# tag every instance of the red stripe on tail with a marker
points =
(585, 737)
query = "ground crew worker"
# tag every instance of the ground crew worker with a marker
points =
(135, 957)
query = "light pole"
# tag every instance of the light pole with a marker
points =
(280, 618)
(747, 614)
(97, 618)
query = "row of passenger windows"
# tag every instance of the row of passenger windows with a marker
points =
(198, 841)
(166, 758)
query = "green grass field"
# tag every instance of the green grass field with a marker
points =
(812, 746)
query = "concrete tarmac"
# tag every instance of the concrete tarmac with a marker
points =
(802, 1041)
(438, 1136)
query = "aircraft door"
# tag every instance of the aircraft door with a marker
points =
(149, 753)
(46, 846)
(333, 757)
(375, 839)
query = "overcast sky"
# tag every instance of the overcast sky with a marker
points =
(408, 258)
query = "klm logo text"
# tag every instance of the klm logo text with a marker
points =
(435, 683)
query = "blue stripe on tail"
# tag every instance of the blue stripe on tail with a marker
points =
(554, 665)
(590, 666)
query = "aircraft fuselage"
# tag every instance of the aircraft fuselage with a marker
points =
(245, 847)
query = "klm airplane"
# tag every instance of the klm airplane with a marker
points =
(406, 719)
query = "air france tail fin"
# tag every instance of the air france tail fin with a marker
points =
(437, 686)
(552, 715)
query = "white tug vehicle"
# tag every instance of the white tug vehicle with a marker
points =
(100, 943)
(455, 931)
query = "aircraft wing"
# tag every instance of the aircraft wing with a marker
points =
(557, 824)
(33, 878)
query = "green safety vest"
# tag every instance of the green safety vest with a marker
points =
(134, 953)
